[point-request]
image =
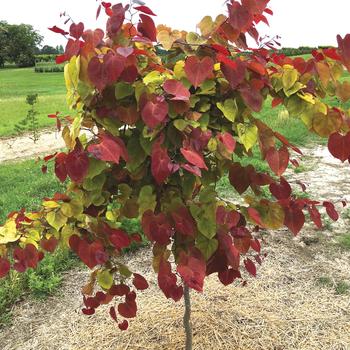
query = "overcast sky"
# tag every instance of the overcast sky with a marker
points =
(298, 22)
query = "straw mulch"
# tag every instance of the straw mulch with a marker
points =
(285, 308)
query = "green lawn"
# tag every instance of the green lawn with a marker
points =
(23, 185)
(16, 84)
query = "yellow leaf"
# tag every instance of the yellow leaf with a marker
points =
(105, 279)
(248, 135)
(272, 215)
(56, 219)
(179, 70)
(206, 26)
(8, 232)
(289, 77)
(167, 38)
(153, 77)
(51, 204)
(229, 108)
(72, 209)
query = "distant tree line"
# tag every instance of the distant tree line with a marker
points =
(301, 50)
(20, 43)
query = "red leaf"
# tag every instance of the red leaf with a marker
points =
(139, 282)
(228, 141)
(192, 169)
(227, 276)
(57, 30)
(255, 215)
(76, 30)
(107, 72)
(110, 149)
(276, 101)
(294, 219)
(197, 70)
(61, 58)
(147, 27)
(161, 164)
(184, 223)
(315, 216)
(240, 177)
(157, 227)
(281, 190)
(123, 326)
(192, 270)
(278, 160)
(49, 244)
(119, 290)
(194, 158)
(4, 267)
(252, 97)
(60, 167)
(154, 112)
(145, 9)
(177, 89)
(250, 266)
(234, 75)
(117, 16)
(255, 244)
(88, 312)
(44, 169)
(98, 11)
(128, 115)
(167, 282)
(231, 252)
(112, 313)
(127, 310)
(77, 164)
(344, 49)
(332, 213)
(221, 49)
(339, 146)
(119, 238)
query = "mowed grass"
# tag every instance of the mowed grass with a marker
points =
(16, 84)
(23, 185)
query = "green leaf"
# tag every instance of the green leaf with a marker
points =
(146, 200)
(56, 219)
(123, 90)
(72, 209)
(207, 246)
(205, 219)
(96, 167)
(229, 108)
(248, 135)
(105, 279)
(136, 154)
(94, 184)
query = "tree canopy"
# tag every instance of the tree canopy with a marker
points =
(18, 43)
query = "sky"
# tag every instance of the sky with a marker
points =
(298, 22)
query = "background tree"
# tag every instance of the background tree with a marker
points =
(18, 43)
(49, 50)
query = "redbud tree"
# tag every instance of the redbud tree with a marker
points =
(166, 113)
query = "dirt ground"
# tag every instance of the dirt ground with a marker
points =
(293, 304)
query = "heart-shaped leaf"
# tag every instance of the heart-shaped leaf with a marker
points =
(197, 70)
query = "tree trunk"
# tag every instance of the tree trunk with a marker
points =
(187, 318)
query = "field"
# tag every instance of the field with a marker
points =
(16, 84)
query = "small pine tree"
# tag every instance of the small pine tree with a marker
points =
(30, 122)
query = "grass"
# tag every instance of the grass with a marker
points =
(344, 241)
(16, 84)
(23, 186)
